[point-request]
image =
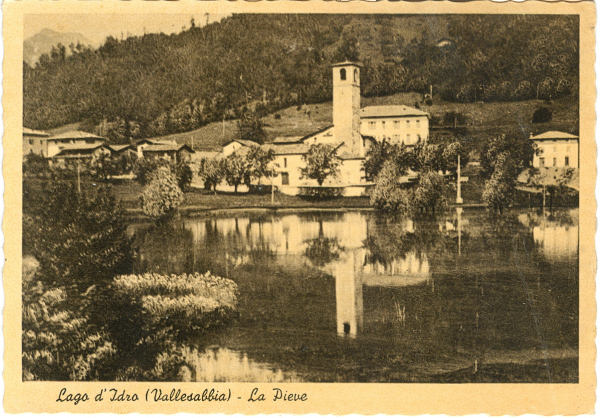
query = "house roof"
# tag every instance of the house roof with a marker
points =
(33, 132)
(292, 149)
(389, 111)
(317, 132)
(75, 135)
(244, 142)
(82, 149)
(553, 135)
(287, 139)
(119, 148)
(166, 148)
(154, 141)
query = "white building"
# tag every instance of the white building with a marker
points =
(52, 145)
(396, 124)
(556, 149)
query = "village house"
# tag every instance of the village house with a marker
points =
(396, 124)
(556, 149)
(33, 141)
(170, 150)
(79, 152)
(52, 145)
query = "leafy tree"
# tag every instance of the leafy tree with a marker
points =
(498, 190)
(162, 196)
(235, 170)
(389, 195)
(102, 166)
(143, 168)
(321, 162)
(211, 172)
(184, 175)
(542, 115)
(376, 156)
(429, 193)
(250, 126)
(259, 161)
(79, 239)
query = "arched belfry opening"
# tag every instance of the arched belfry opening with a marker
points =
(343, 74)
(355, 75)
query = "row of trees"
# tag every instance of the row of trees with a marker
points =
(432, 165)
(263, 63)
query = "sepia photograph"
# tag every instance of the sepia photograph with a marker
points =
(301, 198)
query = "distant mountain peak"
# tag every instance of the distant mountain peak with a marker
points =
(43, 41)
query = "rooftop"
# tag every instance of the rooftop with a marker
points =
(245, 142)
(389, 111)
(33, 132)
(75, 135)
(554, 135)
(165, 148)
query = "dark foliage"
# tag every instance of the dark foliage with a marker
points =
(542, 115)
(268, 62)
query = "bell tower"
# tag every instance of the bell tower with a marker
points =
(346, 106)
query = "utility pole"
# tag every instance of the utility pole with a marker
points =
(459, 199)
(78, 179)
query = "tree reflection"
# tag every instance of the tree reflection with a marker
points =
(322, 250)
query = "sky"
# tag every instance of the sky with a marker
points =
(96, 27)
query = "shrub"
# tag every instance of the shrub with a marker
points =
(428, 195)
(35, 165)
(144, 167)
(321, 162)
(320, 192)
(184, 175)
(172, 306)
(162, 196)
(57, 343)
(542, 115)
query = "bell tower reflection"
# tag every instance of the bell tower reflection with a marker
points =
(348, 294)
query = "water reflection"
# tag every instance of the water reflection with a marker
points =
(322, 290)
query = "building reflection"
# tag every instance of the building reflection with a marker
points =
(557, 234)
(351, 246)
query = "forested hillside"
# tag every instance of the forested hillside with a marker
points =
(158, 84)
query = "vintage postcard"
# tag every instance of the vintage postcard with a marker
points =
(296, 207)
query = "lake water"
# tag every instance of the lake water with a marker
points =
(357, 296)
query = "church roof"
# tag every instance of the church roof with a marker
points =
(390, 111)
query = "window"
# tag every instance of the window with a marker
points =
(542, 161)
(566, 161)
(408, 138)
(418, 123)
(554, 162)
(396, 124)
(343, 74)
(31, 142)
(285, 179)
(372, 125)
(383, 124)
(284, 162)
(408, 123)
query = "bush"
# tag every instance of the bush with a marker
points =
(57, 343)
(162, 196)
(35, 165)
(175, 306)
(429, 193)
(542, 115)
(184, 175)
(320, 192)
(144, 167)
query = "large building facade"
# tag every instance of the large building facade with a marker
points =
(556, 149)
(395, 124)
